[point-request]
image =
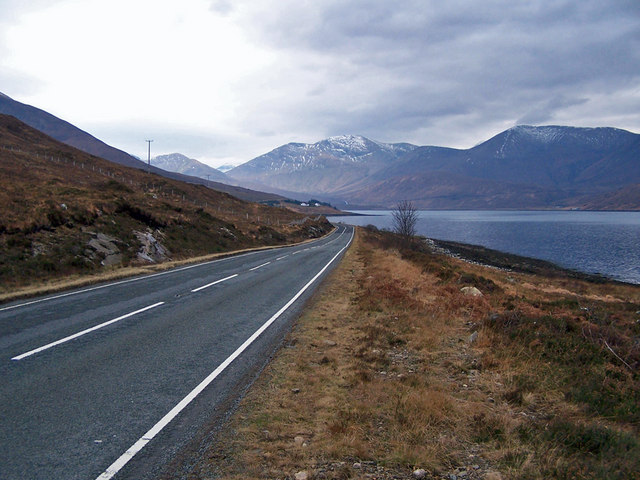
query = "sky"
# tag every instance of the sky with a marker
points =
(224, 81)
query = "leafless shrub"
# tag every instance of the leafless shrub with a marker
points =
(405, 217)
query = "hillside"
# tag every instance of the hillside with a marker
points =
(69, 213)
(523, 167)
(71, 135)
(626, 198)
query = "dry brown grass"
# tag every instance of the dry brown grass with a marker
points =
(381, 376)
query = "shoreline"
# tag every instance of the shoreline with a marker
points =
(518, 263)
(567, 240)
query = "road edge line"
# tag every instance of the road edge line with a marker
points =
(116, 466)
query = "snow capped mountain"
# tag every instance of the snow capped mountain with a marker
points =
(522, 167)
(553, 135)
(176, 162)
(322, 166)
(331, 152)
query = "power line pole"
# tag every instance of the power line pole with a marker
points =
(149, 156)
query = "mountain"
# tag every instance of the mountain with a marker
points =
(71, 135)
(176, 162)
(225, 168)
(522, 167)
(320, 168)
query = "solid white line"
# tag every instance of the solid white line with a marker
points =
(84, 332)
(147, 437)
(213, 283)
(259, 266)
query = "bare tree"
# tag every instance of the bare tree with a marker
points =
(405, 217)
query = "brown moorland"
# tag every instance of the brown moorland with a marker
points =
(67, 214)
(398, 370)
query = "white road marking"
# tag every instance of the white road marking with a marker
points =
(259, 266)
(280, 258)
(145, 277)
(213, 283)
(164, 421)
(84, 332)
(125, 281)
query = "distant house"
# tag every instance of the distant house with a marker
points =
(304, 204)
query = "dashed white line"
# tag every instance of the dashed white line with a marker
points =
(116, 466)
(259, 266)
(136, 279)
(280, 258)
(213, 283)
(84, 332)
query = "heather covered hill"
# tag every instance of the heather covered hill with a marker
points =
(66, 212)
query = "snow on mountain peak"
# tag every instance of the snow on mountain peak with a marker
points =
(356, 143)
(544, 134)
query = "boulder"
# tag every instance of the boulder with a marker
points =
(471, 291)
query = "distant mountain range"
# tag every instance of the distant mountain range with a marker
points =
(71, 135)
(524, 167)
(176, 162)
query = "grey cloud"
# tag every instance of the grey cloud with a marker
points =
(545, 112)
(223, 7)
(439, 62)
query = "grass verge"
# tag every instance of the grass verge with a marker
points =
(399, 371)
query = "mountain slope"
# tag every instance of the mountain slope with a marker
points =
(65, 132)
(176, 162)
(71, 135)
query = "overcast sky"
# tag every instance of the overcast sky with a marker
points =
(224, 81)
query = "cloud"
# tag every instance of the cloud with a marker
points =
(409, 68)
(254, 74)
(546, 111)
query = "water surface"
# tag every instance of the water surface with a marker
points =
(592, 242)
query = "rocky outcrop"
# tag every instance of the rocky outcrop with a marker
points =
(151, 249)
(107, 247)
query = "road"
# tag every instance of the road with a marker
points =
(118, 380)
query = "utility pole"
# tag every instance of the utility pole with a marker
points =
(207, 180)
(149, 156)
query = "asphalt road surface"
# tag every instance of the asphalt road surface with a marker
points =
(120, 380)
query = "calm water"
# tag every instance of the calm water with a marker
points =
(593, 242)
